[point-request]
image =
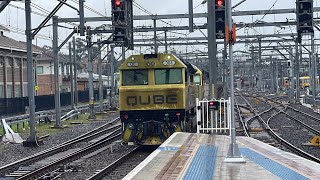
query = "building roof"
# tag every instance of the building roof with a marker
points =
(44, 53)
(13, 45)
(2, 28)
(47, 55)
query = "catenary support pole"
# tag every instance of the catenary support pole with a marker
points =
(81, 17)
(56, 72)
(190, 15)
(155, 36)
(297, 71)
(100, 79)
(75, 71)
(276, 74)
(291, 94)
(314, 71)
(260, 67)
(212, 49)
(90, 72)
(234, 152)
(32, 139)
(112, 92)
(252, 69)
(224, 69)
(71, 76)
(165, 42)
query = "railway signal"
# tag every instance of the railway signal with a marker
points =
(304, 17)
(122, 22)
(118, 20)
(220, 19)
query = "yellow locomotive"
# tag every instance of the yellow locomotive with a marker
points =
(157, 96)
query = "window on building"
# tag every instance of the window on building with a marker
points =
(1, 91)
(134, 77)
(1, 61)
(9, 91)
(25, 90)
(168, 76)
(25, 63)
(39, 69)
(17, 91)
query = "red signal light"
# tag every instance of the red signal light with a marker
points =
(118, 3)
(211, 103)
(219, 3)
(126, 116)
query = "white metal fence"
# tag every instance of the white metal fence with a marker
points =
(214, 116)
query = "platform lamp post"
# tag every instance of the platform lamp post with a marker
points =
(233, 155)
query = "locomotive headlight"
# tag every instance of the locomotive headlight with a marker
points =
(131, 126)
(169, 63)
(133, 64)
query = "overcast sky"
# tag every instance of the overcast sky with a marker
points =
(13, 18)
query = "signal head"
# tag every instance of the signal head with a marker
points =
(219, 3)
(117, 3)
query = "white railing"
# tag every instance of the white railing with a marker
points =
(214, 116)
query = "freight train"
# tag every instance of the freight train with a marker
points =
(157, 96)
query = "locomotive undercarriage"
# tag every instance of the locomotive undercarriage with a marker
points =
(152, 127)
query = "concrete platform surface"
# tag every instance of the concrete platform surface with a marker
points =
(201, 156)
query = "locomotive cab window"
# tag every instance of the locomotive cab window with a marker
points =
(168, 76)
(197, 79)
(134, 77)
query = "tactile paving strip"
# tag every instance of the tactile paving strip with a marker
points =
(176, 164)
(274, 167)
(203, 164)
(288, 162)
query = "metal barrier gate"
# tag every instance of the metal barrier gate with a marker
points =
(214, 116)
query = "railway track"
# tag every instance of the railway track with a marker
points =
(293, 134)
(288, 132)
(256, 125)
(241, 127)
(46, 161)
(123, 165)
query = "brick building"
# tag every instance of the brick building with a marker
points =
(13, 66)
(45, 71)
(13, 69)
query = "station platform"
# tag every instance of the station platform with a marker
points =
(201, 156)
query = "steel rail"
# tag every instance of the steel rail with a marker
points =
(46, 153)
(295, 149)
(71, 157)
(113, 165)
(244, 125)
(283, 141)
